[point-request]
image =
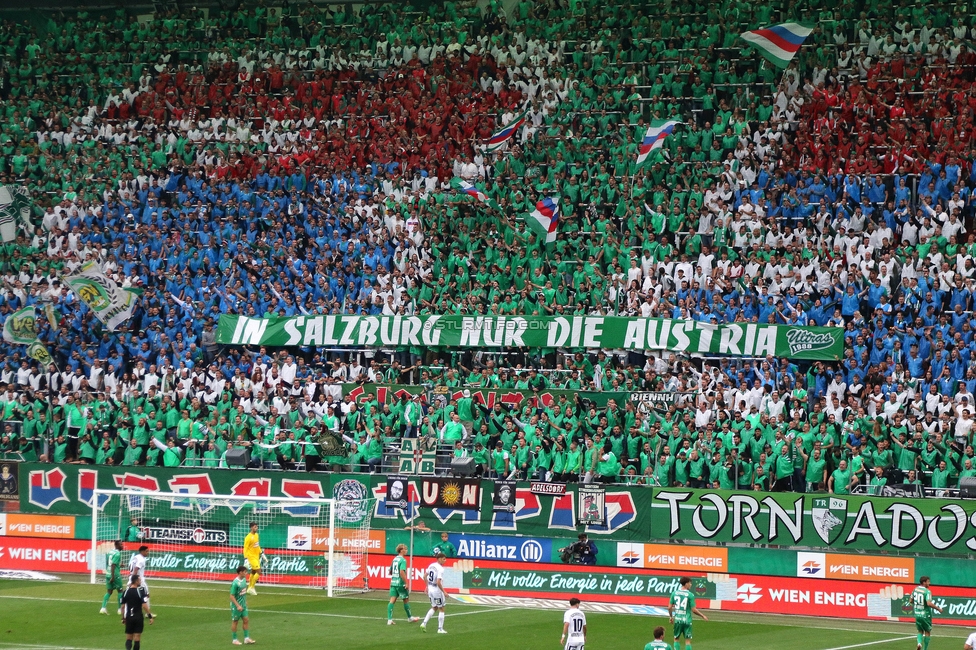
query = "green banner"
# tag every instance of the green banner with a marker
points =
(954, 607)
(162, 562)
(514, 397)
(69, 489)
(574, 582)
(606, 332)
(822, 521)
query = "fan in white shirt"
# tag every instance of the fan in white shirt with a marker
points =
(289, 370)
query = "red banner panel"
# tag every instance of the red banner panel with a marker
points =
(42, 554)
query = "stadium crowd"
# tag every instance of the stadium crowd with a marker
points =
(266, 163)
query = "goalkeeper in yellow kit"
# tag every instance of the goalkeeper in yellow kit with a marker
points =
(253, 554)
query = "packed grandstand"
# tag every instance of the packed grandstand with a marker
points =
(299, 160)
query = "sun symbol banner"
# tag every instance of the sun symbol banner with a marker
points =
(448, 492)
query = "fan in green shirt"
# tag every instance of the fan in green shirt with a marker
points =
(133, 453)
(453, 430)
(816, 472)
(877, 482)
(840, 479)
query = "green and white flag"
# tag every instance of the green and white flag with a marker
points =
(20, 327)
(112, 304)
(53, 315)
(15, 204)
(38, 352)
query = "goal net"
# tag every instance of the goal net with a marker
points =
(320, 543)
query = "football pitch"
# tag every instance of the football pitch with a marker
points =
(195, 616)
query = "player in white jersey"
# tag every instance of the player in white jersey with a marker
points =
(970, 642)
(435, 591)
(137, 567)
(574, 626)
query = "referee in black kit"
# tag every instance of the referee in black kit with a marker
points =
(134, 603)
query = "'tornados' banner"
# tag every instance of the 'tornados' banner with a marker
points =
(815, 520)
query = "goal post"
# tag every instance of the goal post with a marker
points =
(321, 543)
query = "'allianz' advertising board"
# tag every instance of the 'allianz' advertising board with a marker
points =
(497, 547)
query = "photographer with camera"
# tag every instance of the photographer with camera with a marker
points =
(582, 551)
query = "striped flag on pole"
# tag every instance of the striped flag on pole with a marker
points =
(500, 137)
(473, 191)
(545, 219)
(778, 43)
(654, 138)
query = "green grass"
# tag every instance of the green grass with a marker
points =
(194, 616)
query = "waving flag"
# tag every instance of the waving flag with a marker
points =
(502, 136)
(654, 138)
(53, 315)
(15, 204)
(39, 352)
(473, 191)
(112, 304)
(545, 219)
(21, 327)
(8, 216)
(779, 43)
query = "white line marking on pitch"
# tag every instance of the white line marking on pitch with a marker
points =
(44, 647)
(274, 590)
(861, 645)
(261, 611)
(808, 622)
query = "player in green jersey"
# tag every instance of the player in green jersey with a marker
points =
(922, 607)
(399, 586)
(680, 609)
(113, 577)
(658, 643)
(238, 606)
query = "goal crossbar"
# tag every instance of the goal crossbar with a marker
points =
(221, 500)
